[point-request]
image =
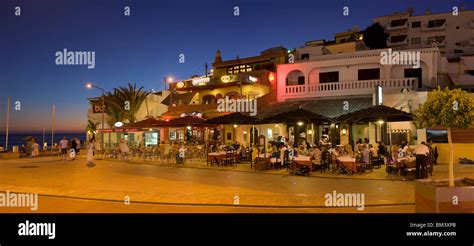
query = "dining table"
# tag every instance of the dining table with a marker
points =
(349, 162)
(301, 160)
(218, 157)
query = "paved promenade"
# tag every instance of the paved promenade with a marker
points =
(73, 187)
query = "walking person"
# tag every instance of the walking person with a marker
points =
(90, 153)
(63, 148)
(73, 149)
(422, 154)
(35, 151)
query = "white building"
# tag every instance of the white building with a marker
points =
(334, 80)
(454, 34)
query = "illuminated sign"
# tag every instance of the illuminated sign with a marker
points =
(180, 84)
(118, 124)
(200, 81)
(271, 77)
(97, 108)
(228, 78)
(252, 79)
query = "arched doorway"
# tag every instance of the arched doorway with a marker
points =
(295, 77)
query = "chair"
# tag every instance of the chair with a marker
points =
(286, 160)
(229, 158)
(325, 160)
(377, 162)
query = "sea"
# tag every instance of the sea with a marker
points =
(17, 139)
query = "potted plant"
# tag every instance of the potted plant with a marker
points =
(449, 109)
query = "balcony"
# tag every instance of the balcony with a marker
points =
(391, 43)
(389, 27)
(347, 88)
(428, 28)
(427, 44)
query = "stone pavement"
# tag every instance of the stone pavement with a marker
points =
(219, 189)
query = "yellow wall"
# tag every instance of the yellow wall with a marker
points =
(460, 150)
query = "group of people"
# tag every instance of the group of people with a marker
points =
(65, 146)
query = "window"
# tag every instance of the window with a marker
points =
(436, 23)
(436, 39)
(300, 80)
(416, 41)
(329, 77)
(438, 136)
(416, 24)
(304, 56)
(369, 74)
(239, 69)
(269, 133)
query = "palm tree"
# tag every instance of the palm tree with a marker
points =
(131, 99)
(91, 127)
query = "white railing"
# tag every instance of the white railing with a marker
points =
(426, 27)
(390, 27)
(360, 87)
(403, 42)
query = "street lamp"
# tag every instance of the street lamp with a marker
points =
(90, 86)
(169, 80)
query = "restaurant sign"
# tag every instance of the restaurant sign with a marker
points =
(97, 108)
(199, 81)
(229, 78)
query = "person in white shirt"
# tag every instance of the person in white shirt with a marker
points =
(422, 154)
(63, 147)
(35, 151)
(90, 153)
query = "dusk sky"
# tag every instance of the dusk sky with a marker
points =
(144, 47)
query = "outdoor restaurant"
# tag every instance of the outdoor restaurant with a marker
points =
(297, 140)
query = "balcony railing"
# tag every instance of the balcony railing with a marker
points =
(427, 44)
(402, 42)
(399, 27)
(360, 87)
(427, 27)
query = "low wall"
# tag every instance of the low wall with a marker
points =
(9, 155)
(460, 150)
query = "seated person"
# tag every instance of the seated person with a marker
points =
(372, 150)
(348, 150)
(316, 155)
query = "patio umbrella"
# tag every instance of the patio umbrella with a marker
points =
(296, 115)
(188, 120)
(148, 123)
(234, 118)
(374, 114)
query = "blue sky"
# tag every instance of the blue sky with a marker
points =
(144, 47)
